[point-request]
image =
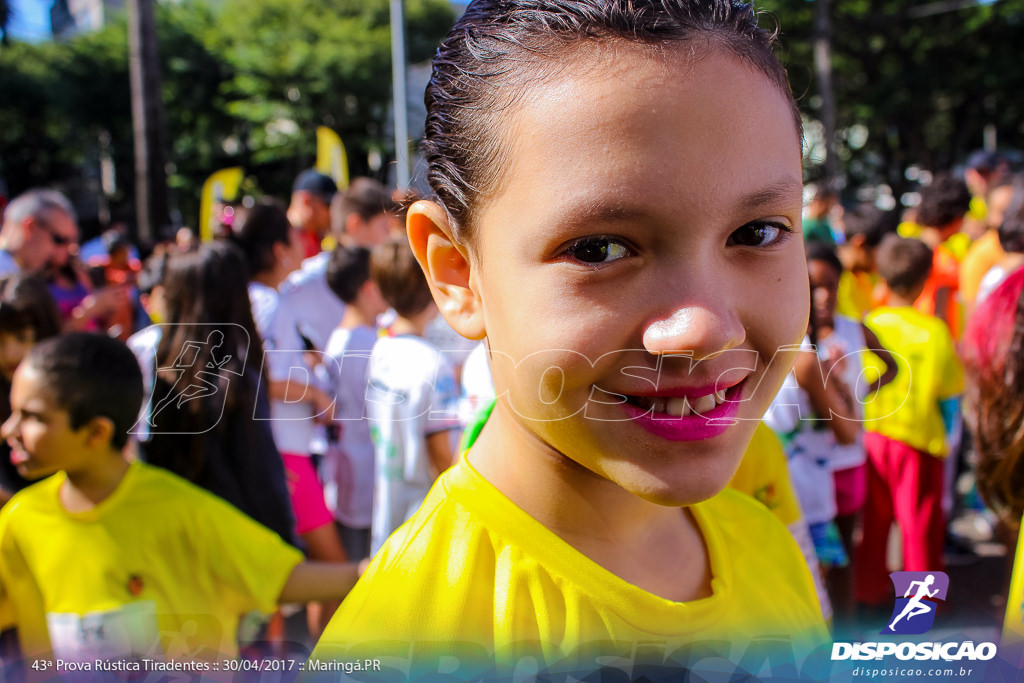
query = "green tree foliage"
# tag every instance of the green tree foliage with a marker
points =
(245, 82)
(33, 128)
(920, 78)
(5, 17)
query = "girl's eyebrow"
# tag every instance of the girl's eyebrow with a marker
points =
(591, 211)
(598, 210)
(784, 189)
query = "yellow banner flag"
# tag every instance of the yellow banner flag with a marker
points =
(330, 156)
(221, 185)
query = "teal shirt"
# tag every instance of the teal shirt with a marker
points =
(818, 229)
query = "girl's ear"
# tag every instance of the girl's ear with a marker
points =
(447, 267)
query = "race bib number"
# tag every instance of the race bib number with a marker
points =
(122, 633)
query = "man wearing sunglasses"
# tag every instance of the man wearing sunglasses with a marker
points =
(36, 226)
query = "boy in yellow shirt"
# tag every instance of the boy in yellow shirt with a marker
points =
(618, 212)
(115, 560)
(906, 423)
(864, 226)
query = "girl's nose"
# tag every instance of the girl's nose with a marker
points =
(698, 328)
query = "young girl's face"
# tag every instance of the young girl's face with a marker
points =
(649, 210)
(824, 288)
(14, 346)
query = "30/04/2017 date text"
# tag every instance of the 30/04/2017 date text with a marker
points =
(232, 665)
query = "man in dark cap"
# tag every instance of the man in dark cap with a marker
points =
(310, 209)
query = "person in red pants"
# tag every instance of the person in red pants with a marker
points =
(906, 423)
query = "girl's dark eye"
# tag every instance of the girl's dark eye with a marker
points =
(759, 235)
(597, 250)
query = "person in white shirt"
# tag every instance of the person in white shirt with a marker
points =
(412, 395)
(361, 217)
(347, 468)
(273, 250)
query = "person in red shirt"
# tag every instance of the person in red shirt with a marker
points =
(310, 209)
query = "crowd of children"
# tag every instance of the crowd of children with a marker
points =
(901, 297)
(683, 420)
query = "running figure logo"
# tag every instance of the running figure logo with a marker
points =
(203, 368)
(914, 612)
(200, 386)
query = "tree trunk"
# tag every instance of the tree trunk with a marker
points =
(147, 121)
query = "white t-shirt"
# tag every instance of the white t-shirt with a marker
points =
(477, 384)
(316, 308)
(411, 394)
(809, 443)
(144, 344)
(453, 345)
(790, 405)
(348, 466)
(991, 281)
(291, 422)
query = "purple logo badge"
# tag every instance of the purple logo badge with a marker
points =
(917, 596)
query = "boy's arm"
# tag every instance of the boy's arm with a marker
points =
(439, 450)
(283, 390)
(320, 581)
(875, 346)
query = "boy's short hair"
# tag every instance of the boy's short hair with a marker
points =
(903, 263)
(365, 197)
(91, 375)
(400, 278)
(347, 271)
(26, 303)
(942, 202)
(868, 220)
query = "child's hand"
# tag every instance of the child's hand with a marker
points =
(323, 406)
(835, 359)
(845, 395)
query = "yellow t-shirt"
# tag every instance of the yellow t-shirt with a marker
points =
(1013, 622)
(856, 295)
(983, 254)
(907, 408)
(159, 568)
(472, 581)
(909, 230)
(958, 245)
(764, 476)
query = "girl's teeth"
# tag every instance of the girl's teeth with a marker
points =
(678, 407)
(682, 407)
(703, 404)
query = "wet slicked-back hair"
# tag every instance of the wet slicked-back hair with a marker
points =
(499, 47)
